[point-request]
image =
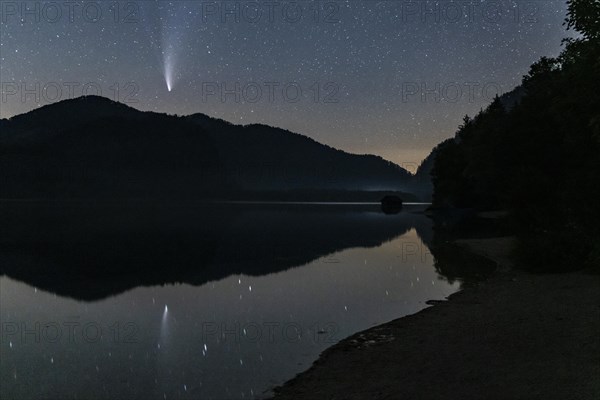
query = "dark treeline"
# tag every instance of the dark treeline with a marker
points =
(539, 158)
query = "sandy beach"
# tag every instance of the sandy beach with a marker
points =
(515, 336)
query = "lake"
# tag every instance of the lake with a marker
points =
(188, 301)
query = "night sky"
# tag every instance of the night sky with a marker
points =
(391, 78)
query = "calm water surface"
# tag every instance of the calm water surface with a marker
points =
(189, 302)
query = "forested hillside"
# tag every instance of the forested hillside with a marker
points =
(540, 159)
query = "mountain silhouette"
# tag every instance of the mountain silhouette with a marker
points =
(94, 148)
(281, 159)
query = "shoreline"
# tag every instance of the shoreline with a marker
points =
(516, 335)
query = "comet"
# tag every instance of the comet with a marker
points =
(168, 65)
(170, 36)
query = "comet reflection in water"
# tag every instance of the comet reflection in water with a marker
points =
(190, 337)
(164, 324)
